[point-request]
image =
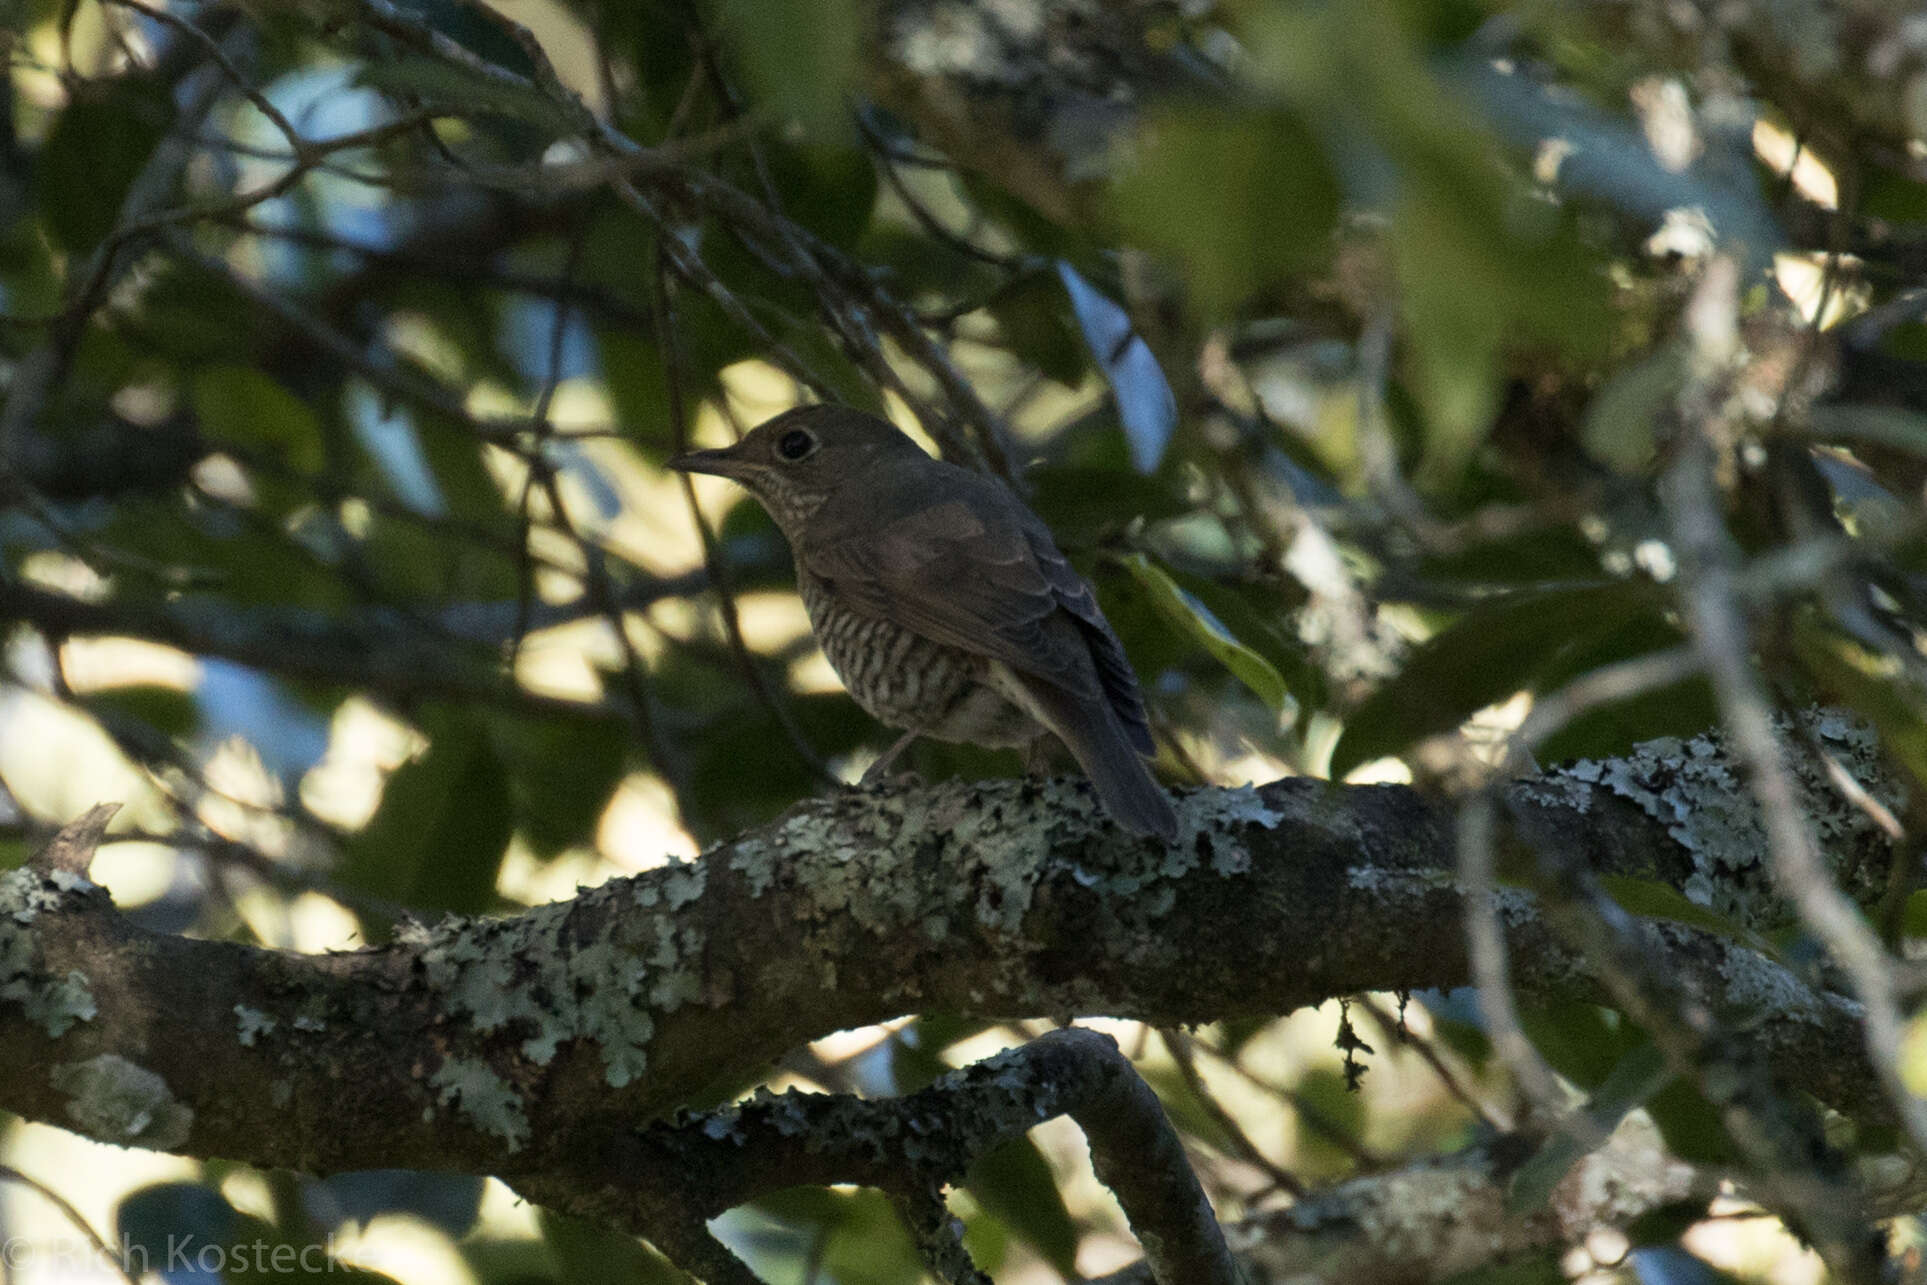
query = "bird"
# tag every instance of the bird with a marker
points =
(943, 603)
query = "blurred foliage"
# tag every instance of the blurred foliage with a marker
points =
(1346, 372)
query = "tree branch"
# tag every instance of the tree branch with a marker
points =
(1434, 1219)
(697, 1167)
(509, 1045)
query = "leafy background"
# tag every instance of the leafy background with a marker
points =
(336, 543)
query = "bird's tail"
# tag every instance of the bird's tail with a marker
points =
(1092, 732)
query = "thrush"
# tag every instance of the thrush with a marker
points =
(942, 603)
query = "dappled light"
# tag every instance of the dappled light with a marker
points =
(1417, 630)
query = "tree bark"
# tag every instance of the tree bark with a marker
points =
(512, 1045)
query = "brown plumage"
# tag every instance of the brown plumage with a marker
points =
(943, 603)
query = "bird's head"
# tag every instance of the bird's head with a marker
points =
(796, 461)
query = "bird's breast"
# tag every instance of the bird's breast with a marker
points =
(903, 679)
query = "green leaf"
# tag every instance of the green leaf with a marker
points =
(1459, 1029)
(590, 1254)
(1186, 1111)
(633, 376)
(1514, 563)
(1679, 709)
(1241, 199)
(1013, 1182)
(855, 1237)
(428, 562)
(654, 38)
(1082, 505)
(1472, 278)
(208, 549)
(1442, 23)
(461, 474)
(437, 82)
(1657, 900)
(799, 57)
(1540, 1268)
(561, 773)
(240, 405)
(1908, 341)
(916, 1052)
(707, 339)
(1623, 417)
(168, 710)
(829, 360)
(1257, 615)
(191, 314)
(475, 29)
(1588, 1044)
(1904, 430)
(438, 838)
(1338, 1112)
(617, 252)
(1890, 196)
(1038, 327)
(1691, 1125)
(744, 770)
(1638, 1075)
(829, 188)
(29, 271)
(96, 148)
(1482, 262)
(1871, 684)
(1665, 1224)
(457, 325)
(1180, 608)
(1582, 1042)
(1494, 650)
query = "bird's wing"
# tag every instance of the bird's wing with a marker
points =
(960, 577)
(979, 572)
(1114, 671)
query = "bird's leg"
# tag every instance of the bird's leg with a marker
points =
(1037, 755)
(875, 773)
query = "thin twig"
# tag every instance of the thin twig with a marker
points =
(1316, 1120)
(1709, 595)
(886, 162)
(1485, 947)
(280, 185)
(525, 561)
(464, 269)
(665, 327)
(104, 1252)
(1485, 936)
(392, 379)
(1184, 1057)
(36, 375)
(1428, 1052)
(1620, 681)
(608, 604)
(218, 56)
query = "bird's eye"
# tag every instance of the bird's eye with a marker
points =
(796, 444)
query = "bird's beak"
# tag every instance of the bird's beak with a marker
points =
(723, 463)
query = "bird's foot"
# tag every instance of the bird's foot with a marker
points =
(1037, 758)
(875, 782)
(878, 773)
